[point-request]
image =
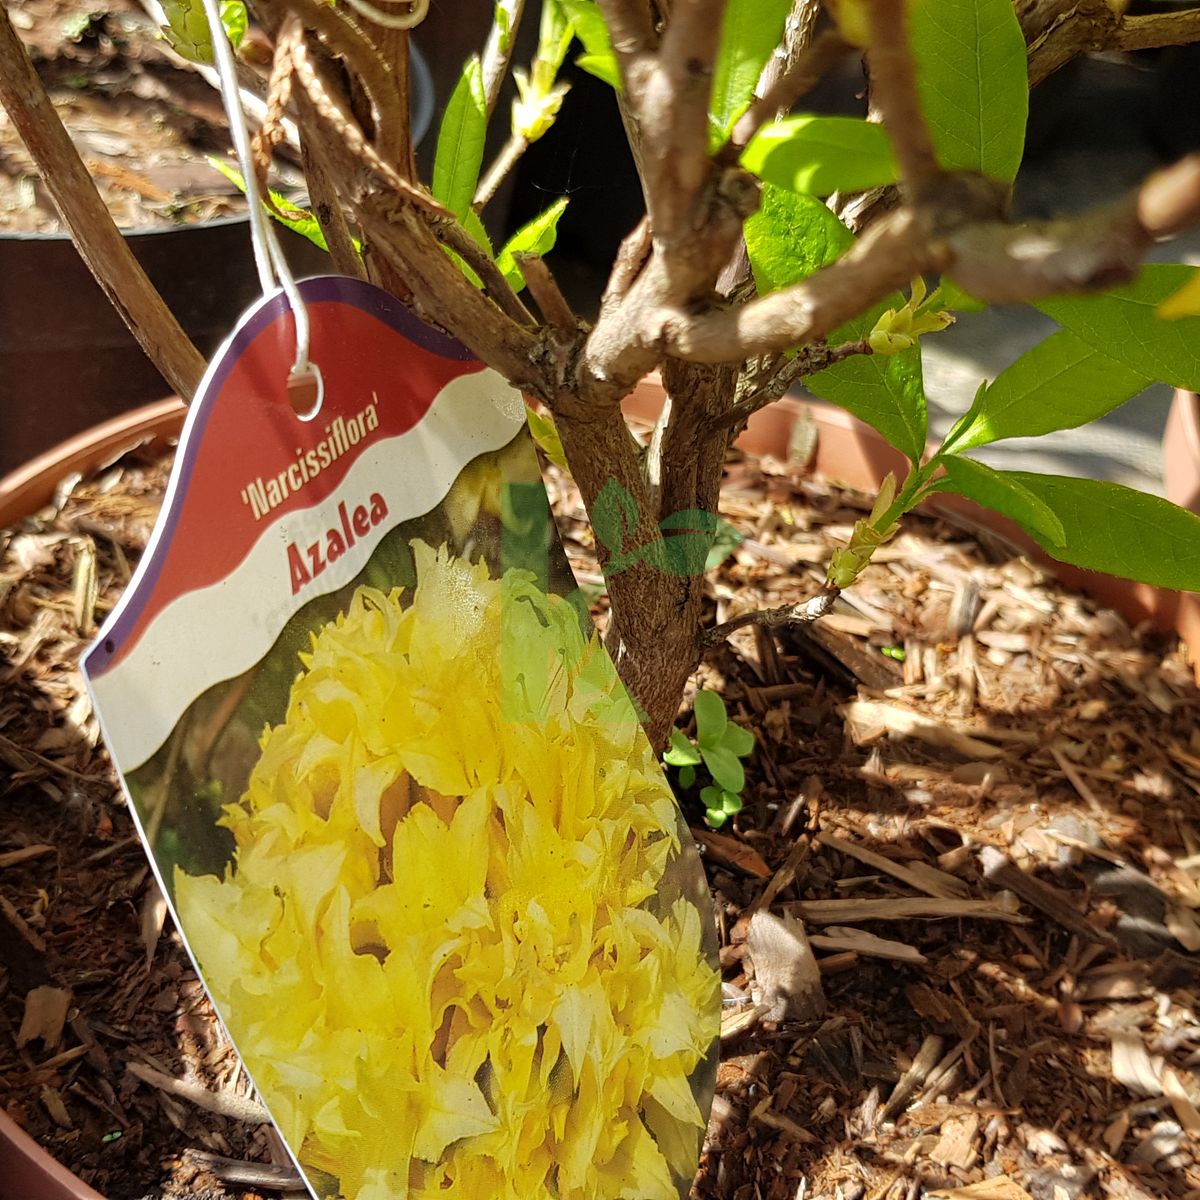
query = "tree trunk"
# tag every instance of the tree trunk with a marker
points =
(656, 614)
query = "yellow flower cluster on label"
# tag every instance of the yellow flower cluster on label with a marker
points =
(449, 945)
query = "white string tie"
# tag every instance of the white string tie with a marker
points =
(273, 270)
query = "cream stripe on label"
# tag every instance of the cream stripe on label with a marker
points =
(217, 632)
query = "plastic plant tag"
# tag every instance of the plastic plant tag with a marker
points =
(405, 816)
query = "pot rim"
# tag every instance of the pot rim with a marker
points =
(34, 1170)
(29, 487)
(129, 232)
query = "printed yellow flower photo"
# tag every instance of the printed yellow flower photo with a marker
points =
(437, 883)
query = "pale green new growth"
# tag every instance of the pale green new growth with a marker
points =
(718, 748)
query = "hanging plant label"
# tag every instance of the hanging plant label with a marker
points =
(401, 807)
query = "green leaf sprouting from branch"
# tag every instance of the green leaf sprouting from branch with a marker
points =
(1060, 383)
(299, 220)
(1115, 529)
(459, 154)
(888, 392)
(598, 57)
(1124, 324)
(821, 155)
(790, 237)
(752, 30)
(973, 79)
(536, 237)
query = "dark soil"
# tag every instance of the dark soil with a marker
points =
(1027, 776)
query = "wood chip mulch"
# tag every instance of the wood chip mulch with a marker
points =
(958, 913)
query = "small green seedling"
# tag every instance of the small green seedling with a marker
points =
(719, 747)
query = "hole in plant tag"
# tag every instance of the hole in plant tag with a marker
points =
(306, 391)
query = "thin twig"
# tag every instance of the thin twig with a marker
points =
(494, 176)
(544, 289)
(100, 243)
(803, 613)
(798, 27)
(887, 257)
(224, 1104)
(894, 95)
(442, 294)
(995, 261)
(809, 361)
(631, 258)
(279, 93)
(324, 199)
(344, 38)
(394, 124)
(331, 110)
(497, 54)
(247, 1174)
(1152, 31)
(672, 109)
(804, 74)
(1056, 34)
(452, 235)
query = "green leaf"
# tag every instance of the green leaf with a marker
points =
(790, 237)
(820, 155)
(886, 391)
(721, 800)
(537, 237)
(724, 766)
(1060, 383)
(555, 33)
(545, 434)
(740, 741)
(187, 28)
(687, 776)
(714, 818)
(681, 752)
(614, 517)
(474, 226)
(590, 29)
(711, 717)
(973, 82)
(1120, 531)
(300, 220)
(235, 19)
(1000, 491)
(752, 30)
(1124, 325)
(459, 153)
(603, 67)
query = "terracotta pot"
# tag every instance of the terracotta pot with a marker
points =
(847, 452)
(1181, 451)
(27, 1172)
